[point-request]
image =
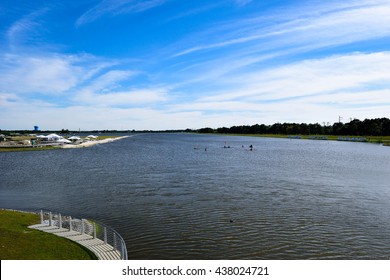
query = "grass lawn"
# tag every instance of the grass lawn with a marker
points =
(102, 137)
(18, 242)
(23, 149)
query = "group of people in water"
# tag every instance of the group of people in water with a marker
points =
(227, 147)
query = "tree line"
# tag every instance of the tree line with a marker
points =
(367, 127)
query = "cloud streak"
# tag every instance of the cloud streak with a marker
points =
(26, 30)
(330, 26)
(336, 83)
(36, 74)
(117, 7)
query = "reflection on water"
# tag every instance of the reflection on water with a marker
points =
(183, 196)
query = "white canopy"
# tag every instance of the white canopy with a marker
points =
(74, 138)
(91, 136)
(63, 140)
(54, 137)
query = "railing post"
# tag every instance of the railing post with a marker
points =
(94, 230)
(105, 235)
(114, 241)
(70, 223)
(82, 226)
(60, 220)
(122, 251)
(50, 219)
(41, 216)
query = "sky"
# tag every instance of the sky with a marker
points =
(176, 64)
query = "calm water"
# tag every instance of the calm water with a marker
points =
(172, 199)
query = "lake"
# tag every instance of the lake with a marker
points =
(185, 196)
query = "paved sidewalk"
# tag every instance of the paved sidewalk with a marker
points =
(102, 250)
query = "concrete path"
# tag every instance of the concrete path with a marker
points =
(102, 250)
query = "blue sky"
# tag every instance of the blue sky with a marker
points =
(175, 64)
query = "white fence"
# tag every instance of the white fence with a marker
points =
(85, 226)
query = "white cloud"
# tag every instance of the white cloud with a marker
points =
(309, 77)
(26, 114)
(310, 90)
(56, 74)
(8, 99)
(25, 74)
(26, 29)
(117, 7)
(108, 90)
(329, 25)
(131, 98)
(109, 80)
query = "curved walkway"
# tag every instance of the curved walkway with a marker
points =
(102, 250)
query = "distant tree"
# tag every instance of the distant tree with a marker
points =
(316, 129)
(276, 128)
(368, 127)
(206, 130)
(385, 126)
(223, 130)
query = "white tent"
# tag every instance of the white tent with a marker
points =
(74, 138)
(53, 137)
(91, 136)
(63, 140)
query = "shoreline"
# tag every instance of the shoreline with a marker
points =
(382, 140)
(43, 147)
(92, 143)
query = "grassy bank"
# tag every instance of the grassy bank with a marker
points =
(23, 149)
(102, 137)
(18, 242)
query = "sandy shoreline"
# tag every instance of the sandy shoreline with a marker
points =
(93, 142)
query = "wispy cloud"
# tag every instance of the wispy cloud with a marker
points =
(26, 30)
(117, 7)
(71, 80)
(331, 84)
(123, 99)
(37, 74)
(106, 90)
(109, 81)
(310, 77)
(328, 26)
(242, 2)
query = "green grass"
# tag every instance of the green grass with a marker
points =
(18, 242)
(24, 149)
(102, 137)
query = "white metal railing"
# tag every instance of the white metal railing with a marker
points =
(86, 226)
